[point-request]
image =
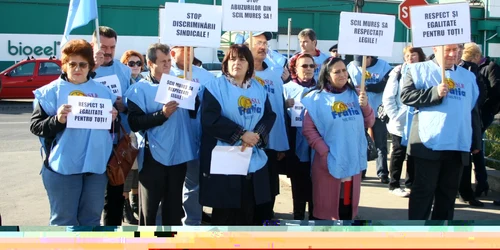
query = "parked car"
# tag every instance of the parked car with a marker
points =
(19, 80)
(214, 68)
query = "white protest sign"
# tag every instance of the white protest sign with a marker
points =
(250, 15)
(366, 34)
(229, 160)
(196, 25)
(296, 112)
(112, 82)
(441, 24)
(176, 89)
(89, 113)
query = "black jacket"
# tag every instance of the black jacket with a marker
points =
(418, 98)
(225, 191)
(490, 74)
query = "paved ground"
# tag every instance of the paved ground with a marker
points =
(23, 200)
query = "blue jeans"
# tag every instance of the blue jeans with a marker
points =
(75, 200)
(192, 208)
(380, 138)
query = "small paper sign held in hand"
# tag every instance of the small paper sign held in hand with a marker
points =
(89, 113)
(296, 112)
(112, 82)
(440, 24)
(182, 91)
(229, 160)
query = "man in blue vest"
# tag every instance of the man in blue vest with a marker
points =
(272, 78)
(308, 42)
(377, 74)
(192, 208)
(445, 129)
(114, 200)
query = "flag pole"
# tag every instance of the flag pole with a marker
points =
(185, 63)
(98, 35)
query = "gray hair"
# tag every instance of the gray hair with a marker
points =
(151, 54)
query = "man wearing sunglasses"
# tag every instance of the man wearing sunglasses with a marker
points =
(334, 52)
(192, 208)
(272, 78)
(108, 66)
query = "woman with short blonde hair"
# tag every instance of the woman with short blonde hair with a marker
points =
(471, 52)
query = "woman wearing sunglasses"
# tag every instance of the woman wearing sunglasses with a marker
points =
(298, 163)
(74, 169)
(135, 61)
(334, 125)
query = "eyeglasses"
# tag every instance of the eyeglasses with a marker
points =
(132, 63)
(261, 43)
(81, 65)
(305, 66)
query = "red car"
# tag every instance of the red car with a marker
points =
(19, 80)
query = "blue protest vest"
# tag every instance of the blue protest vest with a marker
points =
(271, 80)
(377, 73)
(446, 126)
(170, 143)
(77, 150)
(319, 60)
(202, 77)
(296, 91)
(340, 122)
(245, 107)
(124, 74)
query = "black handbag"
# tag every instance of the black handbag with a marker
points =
(371, 153)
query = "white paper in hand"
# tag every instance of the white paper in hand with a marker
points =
(112, 82)
(182, 91)
(296, 112)
(229, 160)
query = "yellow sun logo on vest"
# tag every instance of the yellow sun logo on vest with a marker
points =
(77, 93)
(344, 110)
(339, 107)
(180, 76)
(260, 80)
(248, 106)
(450, 83)
(368, 75)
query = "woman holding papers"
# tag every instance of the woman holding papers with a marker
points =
(334, 125)
(235, 112)
(298, 162)
(74, 170)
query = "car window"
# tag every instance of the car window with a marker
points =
(23, 70)
(49, 68)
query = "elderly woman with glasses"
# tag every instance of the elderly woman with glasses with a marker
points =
(334, 125)
(298, 163)
(74, 169)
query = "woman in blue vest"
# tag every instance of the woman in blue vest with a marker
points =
(235, 111)
(298, 162)
(74, 172)
(334, 126)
